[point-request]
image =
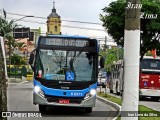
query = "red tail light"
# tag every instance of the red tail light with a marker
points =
(40, 73)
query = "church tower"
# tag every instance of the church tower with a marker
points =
(54, 22)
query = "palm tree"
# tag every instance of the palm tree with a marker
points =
(21, 45)
(6, 32)
(6, 27)
(10, 42)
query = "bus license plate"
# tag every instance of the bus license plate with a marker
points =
(64, 101)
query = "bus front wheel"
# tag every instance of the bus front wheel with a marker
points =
(88, 110)
(42, 108)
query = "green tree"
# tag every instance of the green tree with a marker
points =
(148, 53)
(6, 27)
(6, 31)
(114, 21)
(111, 55)
(10, 42)
(17, 60)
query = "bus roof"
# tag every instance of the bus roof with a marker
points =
(150, 57)
(68, 36)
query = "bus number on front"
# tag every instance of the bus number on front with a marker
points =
(76, 94)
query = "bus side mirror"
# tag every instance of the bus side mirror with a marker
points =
(102, 62)
(31, 58)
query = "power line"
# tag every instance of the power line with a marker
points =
(62, 25)
(67, 26)
(62, 20)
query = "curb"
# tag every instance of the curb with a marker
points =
(18, 82)
(115, 105)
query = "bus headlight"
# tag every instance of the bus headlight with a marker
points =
(38, 90)
(93, 92)
(87, 96)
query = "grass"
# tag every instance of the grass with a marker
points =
(111, 98)
(150, 112)
(141, 109)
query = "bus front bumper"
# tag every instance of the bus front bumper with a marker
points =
(89, 102)
(150, 92)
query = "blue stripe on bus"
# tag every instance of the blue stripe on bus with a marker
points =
(60, 92)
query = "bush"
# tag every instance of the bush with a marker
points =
(14, 74)
(30, 72)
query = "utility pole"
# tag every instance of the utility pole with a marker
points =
(105, 40)
(105, 43)
(131, 60)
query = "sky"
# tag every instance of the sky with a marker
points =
(76, 10)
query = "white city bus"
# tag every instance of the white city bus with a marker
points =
(116, 80)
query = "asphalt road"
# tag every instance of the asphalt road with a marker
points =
(20, 99)
(148, 102)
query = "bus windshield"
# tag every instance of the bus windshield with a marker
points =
(150, 65)
(66, 65)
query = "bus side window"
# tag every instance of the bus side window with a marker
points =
(158, 66)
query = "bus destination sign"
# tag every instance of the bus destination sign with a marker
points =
(66, 42)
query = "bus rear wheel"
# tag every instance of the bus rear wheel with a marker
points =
(42, 108)
(155, 98)
(118, 93)
(111, 91)
(88, 110)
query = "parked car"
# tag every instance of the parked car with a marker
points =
(104, 75)
(102, 79)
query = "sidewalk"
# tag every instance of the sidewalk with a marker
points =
(16, 80)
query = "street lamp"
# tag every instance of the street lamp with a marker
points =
(22, 18)
(18, 19)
